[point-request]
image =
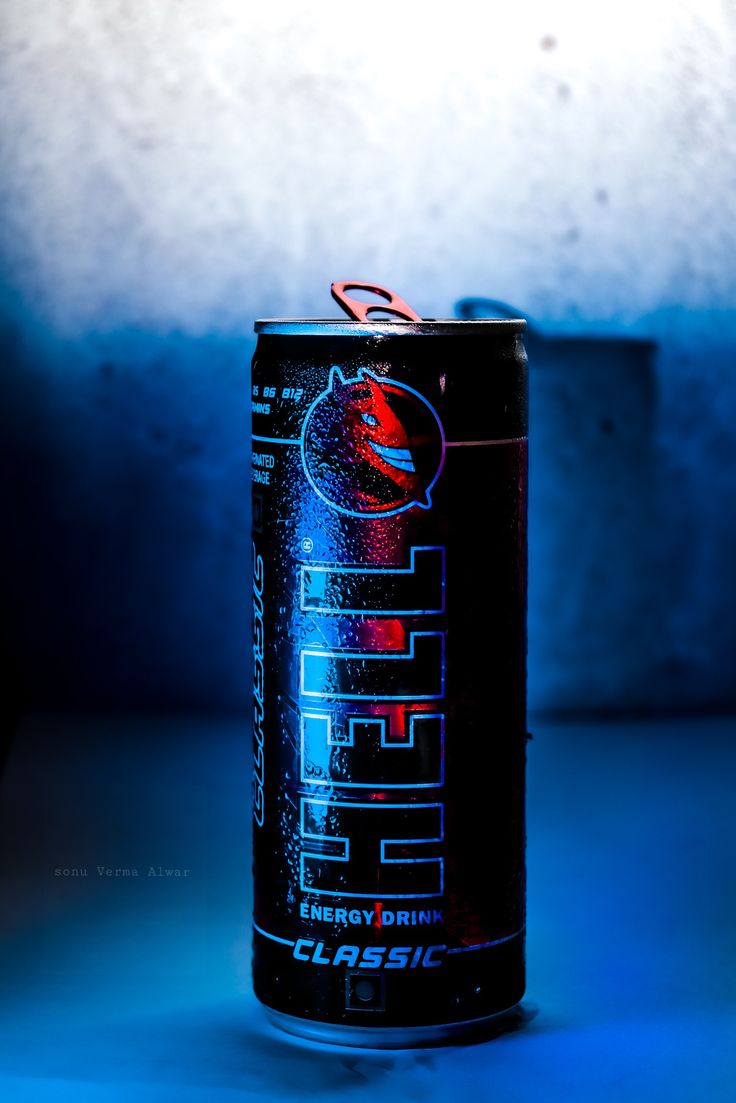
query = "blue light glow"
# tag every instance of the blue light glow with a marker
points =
(317, 736)
(426, 565)
(320, 677)
(381, 810)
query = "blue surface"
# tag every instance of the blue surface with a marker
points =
(122, 988)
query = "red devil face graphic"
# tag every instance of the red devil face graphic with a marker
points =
(371, 445)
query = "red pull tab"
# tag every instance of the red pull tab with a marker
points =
(359, 311)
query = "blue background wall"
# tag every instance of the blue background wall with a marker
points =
(172, 171)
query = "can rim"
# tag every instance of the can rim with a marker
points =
(384, 327)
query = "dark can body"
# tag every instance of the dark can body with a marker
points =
(389, 634)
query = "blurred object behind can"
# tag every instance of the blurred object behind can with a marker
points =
(598, 579)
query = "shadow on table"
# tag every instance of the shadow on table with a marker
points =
(225, 1047)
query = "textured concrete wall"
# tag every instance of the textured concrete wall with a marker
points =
(186, 163)
(178, 168)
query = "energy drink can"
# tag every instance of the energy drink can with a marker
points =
(389, 641)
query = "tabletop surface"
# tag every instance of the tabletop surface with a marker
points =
(116, 986)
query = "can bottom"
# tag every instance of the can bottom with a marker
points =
(401, 1037)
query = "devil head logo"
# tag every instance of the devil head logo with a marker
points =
(371, 446)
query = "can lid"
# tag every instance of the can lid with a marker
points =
(386, 301)
(404, 320)
(383, 327)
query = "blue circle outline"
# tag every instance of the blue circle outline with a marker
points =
(362, 372)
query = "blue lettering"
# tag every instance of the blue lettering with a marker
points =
(372, 957)
(302, 943)
(347, 955)
(398, 956)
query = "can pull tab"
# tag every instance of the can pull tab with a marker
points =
(359, 311)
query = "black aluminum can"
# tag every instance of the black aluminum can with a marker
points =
(389, 474)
